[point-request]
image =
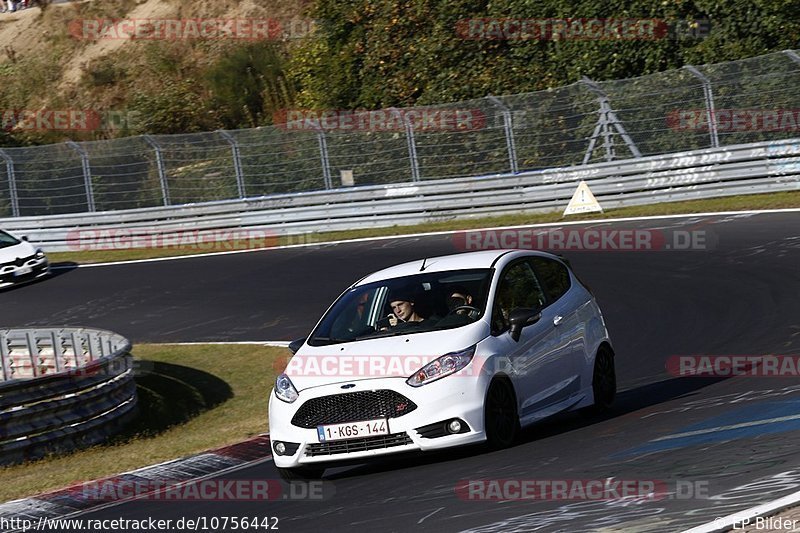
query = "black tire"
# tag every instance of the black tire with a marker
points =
(300, 473)
(500, 418)
(604, 381)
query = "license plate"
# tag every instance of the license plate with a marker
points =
(353, 430)
(21, 271)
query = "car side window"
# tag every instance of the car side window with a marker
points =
(355, 319)
(518, 287)
(7, 240)
(554, 276)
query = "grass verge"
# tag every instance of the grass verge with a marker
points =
(191, 399)
(779, 200)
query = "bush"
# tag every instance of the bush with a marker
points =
(174, 108)
(248, 85)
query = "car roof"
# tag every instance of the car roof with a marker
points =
(463, 261)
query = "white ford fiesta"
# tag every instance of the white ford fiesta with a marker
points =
(20, 261)
(440, 352)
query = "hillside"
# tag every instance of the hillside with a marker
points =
(366, 54)
(51, 60)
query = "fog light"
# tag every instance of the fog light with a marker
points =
(280, 448)
(454, 426)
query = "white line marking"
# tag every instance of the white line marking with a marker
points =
(429, 515)
(725, 523)
(727, 428)
(280, 344)
(433, 234)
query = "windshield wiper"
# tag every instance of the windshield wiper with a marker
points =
(328, 340)
(382, 334)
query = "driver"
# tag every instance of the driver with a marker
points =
(403, 310)
(459, 297)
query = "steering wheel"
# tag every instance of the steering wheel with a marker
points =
(470, 308)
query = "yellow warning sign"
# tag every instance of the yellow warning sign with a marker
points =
(583, 201)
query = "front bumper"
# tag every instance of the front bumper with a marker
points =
(12, 274)
(458, 396)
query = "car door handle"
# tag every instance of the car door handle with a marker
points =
(557, 320)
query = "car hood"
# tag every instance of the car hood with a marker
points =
(11, 253)
(399, 356)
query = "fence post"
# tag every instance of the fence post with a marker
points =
(33, 351)
(58, 352)
(508, 126)
(411, 142)
(5, 356)
(162, 174)
(77, 348)
(237, 163)
(325, 160)
(711, 114)
(12, 183)
(87, 173)
(608, 119)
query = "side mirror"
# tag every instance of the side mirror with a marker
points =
(296, 344)
(25, 238)
(521, 317)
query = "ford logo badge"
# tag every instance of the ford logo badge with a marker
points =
(349, 386)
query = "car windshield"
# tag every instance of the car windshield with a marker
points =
(7, 240)
(406, 305)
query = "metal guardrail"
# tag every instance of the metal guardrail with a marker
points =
(62, 389)
(733, 170)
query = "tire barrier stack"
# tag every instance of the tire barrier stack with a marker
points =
(62, 389)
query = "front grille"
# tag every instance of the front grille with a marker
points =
(358, 445)
(18, 262)
(352, 407)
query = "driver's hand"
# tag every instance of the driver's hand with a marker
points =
(392, 319)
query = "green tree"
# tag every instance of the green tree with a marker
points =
(381, 53)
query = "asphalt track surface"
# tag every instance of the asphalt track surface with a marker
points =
(716, 445)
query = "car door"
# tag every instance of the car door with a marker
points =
(562, 312)
(537, 360)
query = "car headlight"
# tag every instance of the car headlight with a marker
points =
(284, 389)
(445, 365)
(39, 254)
